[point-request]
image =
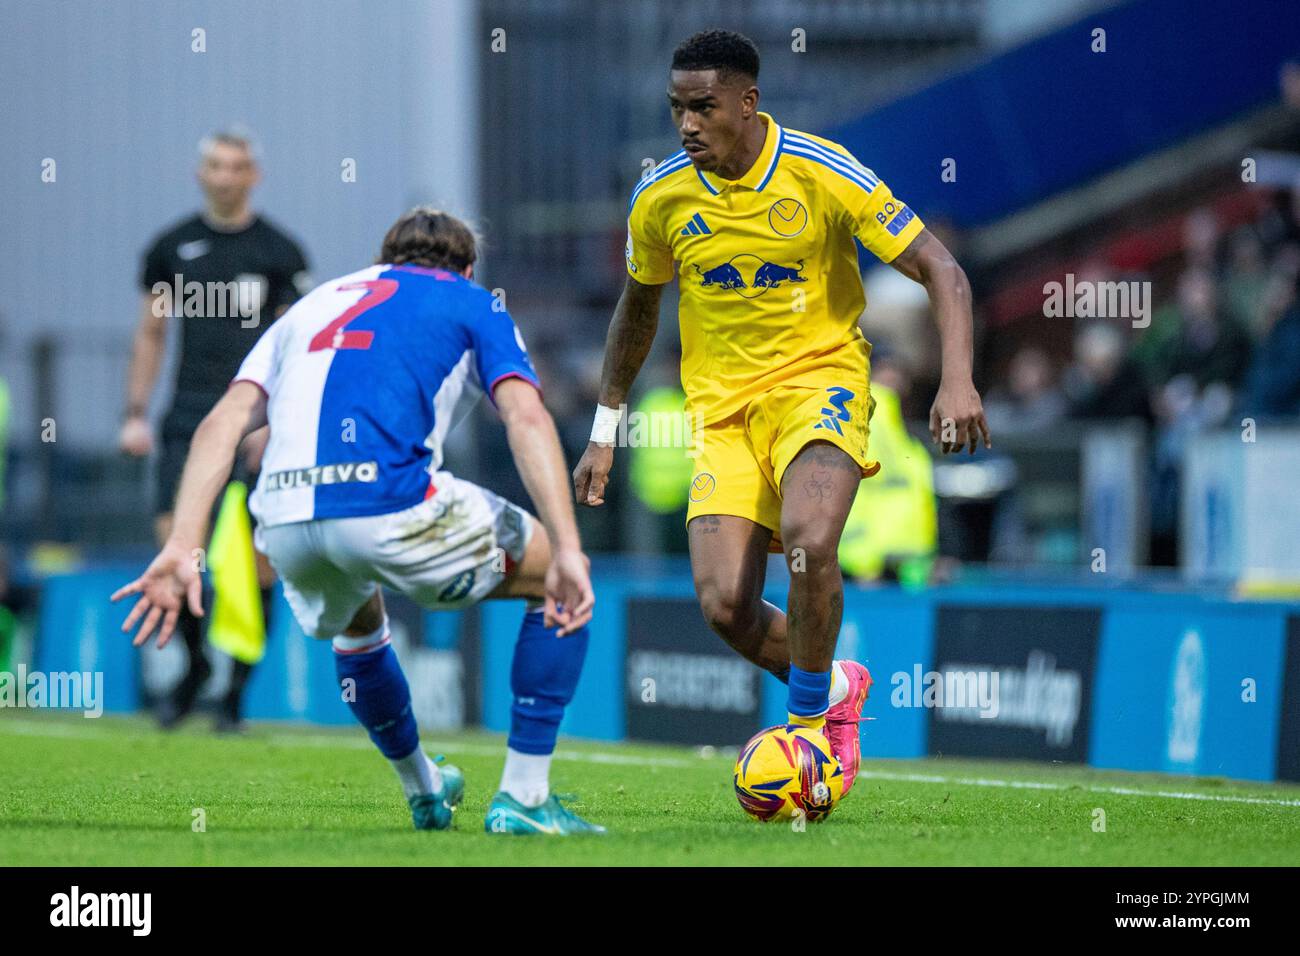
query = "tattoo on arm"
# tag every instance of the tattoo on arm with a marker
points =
(631, 333)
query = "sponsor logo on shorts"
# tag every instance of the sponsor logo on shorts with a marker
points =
(460, 586)
(838, 412)
(342, 473)
(702, 486)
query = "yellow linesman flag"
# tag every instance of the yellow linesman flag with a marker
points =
(236, 625)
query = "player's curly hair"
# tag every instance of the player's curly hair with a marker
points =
(722, 50)
(429, 237)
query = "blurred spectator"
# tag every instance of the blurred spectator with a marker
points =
(1182, 410)
(1289, 81)
(1157, 341)
(1198, 370)
(1104, 382)
(1210, 346)
(1200, 238)
(1031, 400)
(1244, 281)
(1272, 386)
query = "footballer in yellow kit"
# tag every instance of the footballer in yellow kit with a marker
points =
(772, 356)
(757, 223)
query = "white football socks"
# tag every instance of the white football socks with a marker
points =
(527, 777)
(418, 773)
(839, 683)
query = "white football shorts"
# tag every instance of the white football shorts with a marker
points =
(445, 553)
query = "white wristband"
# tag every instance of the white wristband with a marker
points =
(604, 430)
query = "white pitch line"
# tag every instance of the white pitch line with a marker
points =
(38, 728)
(476, 750)
(35, 728)
(1036, 785)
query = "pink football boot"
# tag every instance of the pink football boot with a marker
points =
(842, 721)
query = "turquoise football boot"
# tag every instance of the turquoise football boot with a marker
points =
(452, 778)
(433, 811)
(507, 815)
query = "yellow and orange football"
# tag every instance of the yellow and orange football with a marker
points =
(788, 771)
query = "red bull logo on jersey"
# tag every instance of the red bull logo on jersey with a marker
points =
(750, 275)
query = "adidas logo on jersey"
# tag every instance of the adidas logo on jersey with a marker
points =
(697, 227)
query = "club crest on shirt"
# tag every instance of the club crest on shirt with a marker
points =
(787, 217)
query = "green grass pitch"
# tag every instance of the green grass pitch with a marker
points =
(115, 791)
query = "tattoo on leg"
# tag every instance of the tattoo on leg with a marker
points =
(819, 485)
(833, 456)
(826, 459)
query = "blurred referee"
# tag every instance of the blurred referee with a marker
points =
(249, 272)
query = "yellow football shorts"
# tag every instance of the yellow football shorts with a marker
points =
(744, 456)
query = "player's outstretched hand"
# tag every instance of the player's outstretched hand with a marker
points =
(171, 579)
(592, 474)
(957, 418)
(569, 598)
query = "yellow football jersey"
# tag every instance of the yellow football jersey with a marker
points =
(770, 289)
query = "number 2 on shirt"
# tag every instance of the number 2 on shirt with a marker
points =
(335, 336)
